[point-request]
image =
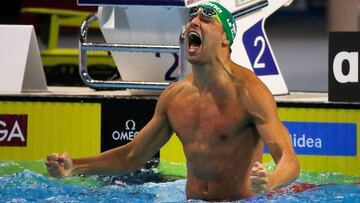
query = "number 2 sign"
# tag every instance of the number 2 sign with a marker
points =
(258, 50)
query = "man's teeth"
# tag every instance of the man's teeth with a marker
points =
(194, 34)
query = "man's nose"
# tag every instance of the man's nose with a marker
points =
(195, 19)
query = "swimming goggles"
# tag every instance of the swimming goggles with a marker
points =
(208, 12)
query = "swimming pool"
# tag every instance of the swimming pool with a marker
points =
(29, 182)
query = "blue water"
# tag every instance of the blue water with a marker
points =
(29, 186)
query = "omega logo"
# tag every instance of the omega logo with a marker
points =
(130, 123)
(128, 134)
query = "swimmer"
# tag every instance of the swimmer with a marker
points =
(222, 114)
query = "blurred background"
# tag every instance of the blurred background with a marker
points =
(298, 35)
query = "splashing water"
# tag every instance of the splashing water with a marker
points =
(19, 183)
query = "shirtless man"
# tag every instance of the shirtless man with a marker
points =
(222, 113)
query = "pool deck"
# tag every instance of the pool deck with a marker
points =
(85, 91)
(57, 91)
(88, 94)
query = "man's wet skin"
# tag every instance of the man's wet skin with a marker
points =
(222, 114)
(216, 129)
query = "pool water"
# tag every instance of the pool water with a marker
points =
(29, 182)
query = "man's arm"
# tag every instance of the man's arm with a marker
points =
(122, 159)
(276, 138)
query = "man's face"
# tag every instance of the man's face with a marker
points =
(203, 36)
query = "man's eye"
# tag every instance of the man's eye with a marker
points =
(206, 19)
(191, 18)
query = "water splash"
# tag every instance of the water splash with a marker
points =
(23, 185)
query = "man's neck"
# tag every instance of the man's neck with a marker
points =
(212, 75)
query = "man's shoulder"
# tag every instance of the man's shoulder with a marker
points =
(250, 88)
(245, 78)
(253, 93)
(176, 87)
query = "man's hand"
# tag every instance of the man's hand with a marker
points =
(59, 165)
(259, 179)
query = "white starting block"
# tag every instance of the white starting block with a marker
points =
(21, 68)
(144, 37)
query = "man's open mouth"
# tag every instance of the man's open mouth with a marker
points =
(194, 41)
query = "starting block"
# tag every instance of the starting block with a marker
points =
(144, 38)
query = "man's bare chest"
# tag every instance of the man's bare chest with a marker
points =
(217, 117)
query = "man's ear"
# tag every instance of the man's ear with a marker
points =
(224, 41)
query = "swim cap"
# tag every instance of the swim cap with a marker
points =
(224, 17)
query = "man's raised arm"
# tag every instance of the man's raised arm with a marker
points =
(124, 159)
(276, 138)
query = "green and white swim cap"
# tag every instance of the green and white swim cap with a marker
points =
(224, 17)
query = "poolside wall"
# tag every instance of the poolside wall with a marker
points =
(33, 127)
(51, 127)
(325, 136)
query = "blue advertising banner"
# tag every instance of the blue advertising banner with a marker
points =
(317, 138)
